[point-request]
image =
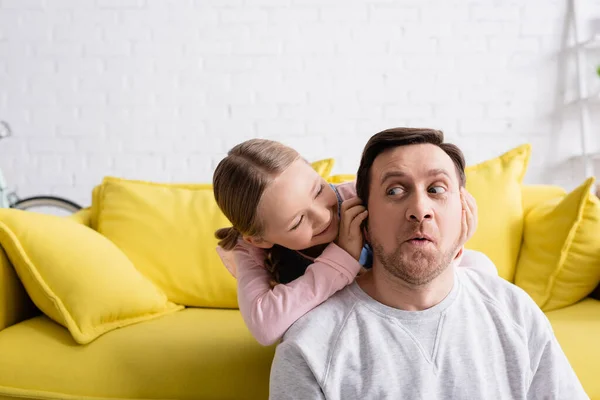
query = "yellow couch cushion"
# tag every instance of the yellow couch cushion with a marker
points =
(82, 216)
(341, 178)
(77, 277)
(538, 193)
(560, 256)
(167, 231)
(324, 166)
(496, 186)
(577, 329)
(192, 354)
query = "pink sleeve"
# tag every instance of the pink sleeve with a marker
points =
(269, 312)
(347, 190)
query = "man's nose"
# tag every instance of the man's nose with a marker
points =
(419, 208)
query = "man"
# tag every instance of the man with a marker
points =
(414, 327)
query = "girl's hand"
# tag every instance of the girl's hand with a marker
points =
(350, 237)
(469, 216)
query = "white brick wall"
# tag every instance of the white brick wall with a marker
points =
(160, 90)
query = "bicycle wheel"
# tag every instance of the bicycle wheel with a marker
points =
(47, 205)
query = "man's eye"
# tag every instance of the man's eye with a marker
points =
(394, 191)
(437, 189)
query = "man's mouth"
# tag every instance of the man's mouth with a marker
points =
(420, 239)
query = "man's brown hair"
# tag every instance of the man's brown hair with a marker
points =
(391, 138)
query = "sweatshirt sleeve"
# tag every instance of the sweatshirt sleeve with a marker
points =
(553, 376)
(269, 312)
(477, 260)
(291, 376)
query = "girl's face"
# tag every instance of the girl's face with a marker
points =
(298, 210)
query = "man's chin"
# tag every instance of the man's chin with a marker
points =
(412, 252)
(419, 278)
(418, 266)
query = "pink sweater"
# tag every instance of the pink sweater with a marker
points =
(269, 312)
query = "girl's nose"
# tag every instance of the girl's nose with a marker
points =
(320, 215)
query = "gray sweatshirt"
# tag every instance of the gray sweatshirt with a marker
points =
(486, 340)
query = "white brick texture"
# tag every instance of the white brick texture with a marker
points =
(161, 89)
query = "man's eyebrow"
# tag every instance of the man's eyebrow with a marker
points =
(393, 174)
(400, 174)
(438, 171)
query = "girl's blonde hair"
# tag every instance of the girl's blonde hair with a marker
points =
(240, 180)
(238, 184)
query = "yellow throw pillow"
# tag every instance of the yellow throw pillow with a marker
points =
(533, 194)
(76, 276)
(341, 178)
(560, 258)
(168, 232)
(496, 186)
(323, 167)
(82, 216)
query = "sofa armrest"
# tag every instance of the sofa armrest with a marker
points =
(15, 304)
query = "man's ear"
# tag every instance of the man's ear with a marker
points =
(365, 230)
(258, 242)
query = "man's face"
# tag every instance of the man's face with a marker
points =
(414, 212)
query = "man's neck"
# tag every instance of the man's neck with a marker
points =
(394, 292)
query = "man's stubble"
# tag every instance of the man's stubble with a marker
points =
(418, 268)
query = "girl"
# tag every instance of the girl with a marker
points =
(295, 239)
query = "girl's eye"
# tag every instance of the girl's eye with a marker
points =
(394, 191)
(437, 190)
(320, 190)
(298, 224)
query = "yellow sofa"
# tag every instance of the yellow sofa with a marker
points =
(577, 326)
(198, 352)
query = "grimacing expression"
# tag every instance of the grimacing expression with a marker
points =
(415, 212)
(298, 209)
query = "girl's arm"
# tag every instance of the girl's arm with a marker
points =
(269, 312)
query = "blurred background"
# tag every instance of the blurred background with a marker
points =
(160, 90)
